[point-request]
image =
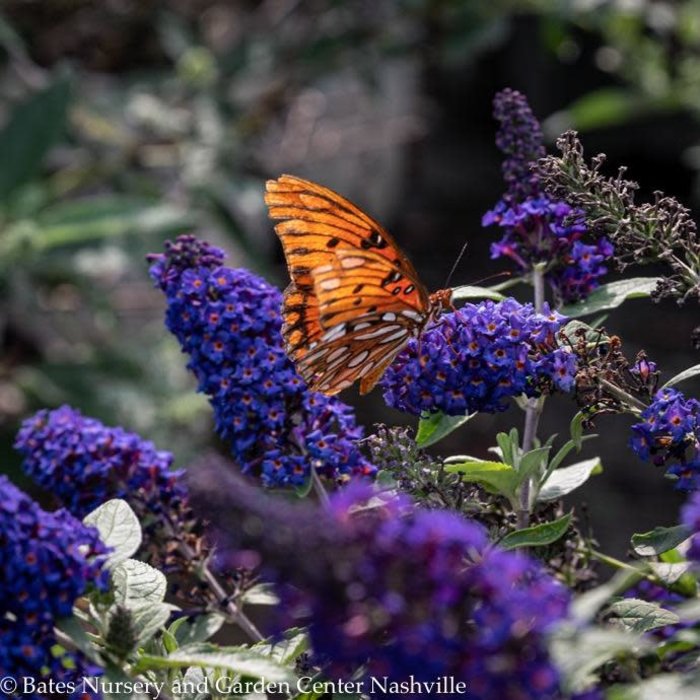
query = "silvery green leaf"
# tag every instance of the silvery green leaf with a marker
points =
(135, 582)
(119, 529)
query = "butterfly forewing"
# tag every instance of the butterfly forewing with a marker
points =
(354, 300)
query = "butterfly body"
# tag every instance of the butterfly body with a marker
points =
(354, 299)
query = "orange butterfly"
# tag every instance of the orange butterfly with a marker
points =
(355, 299)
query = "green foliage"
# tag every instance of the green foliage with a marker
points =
(611, 295)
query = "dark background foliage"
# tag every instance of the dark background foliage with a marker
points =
(126, 122)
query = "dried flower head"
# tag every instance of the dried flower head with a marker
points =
(641, 233)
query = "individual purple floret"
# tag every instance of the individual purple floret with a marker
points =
(396, 590)
(669, 434)
(47, 561)
(538, 230)
(229, 323)
(85, 463)
(476, 358)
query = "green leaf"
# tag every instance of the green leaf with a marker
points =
(286, 650)
(640, 616)
(33, 128)
(496, 477)
(603, 107)
(244, 662)
(197, 629)
(531, 461)
(261, 594)
(576, 429)
(679, 686)
(96, 219)
(537, 535)
(585, 606)
(669, 573)
(471, 292)
(567, 479)
(136, 583)
(689, 373)
(577, 652)
(150, 618)
(612, 295)
(660, 539)
(435, 426)
(505, 445)
(119, 529)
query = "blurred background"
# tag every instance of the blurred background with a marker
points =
(124, 122)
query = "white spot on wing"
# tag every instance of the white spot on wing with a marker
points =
(413, 315)
(333, 333)
(330, 283)
(366, 369)
(382, 330)
(358, 359)
(394, 336)
(351, 262)
(338, 352)
(390, 316)
(361, 326)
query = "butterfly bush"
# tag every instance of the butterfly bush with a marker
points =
(229, 323)
(84, 463)
(669, 434)
(536, 228)
(479, 356)
(47, 561)
(397, 589)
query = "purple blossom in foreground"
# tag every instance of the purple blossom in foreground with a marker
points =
(479, 356)
(398, 590)
(229, 323)
(47, 561)
(85, 463)
(536, 228)
(669, 434)
(690, 517)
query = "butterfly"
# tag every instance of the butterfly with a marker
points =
(354, 299)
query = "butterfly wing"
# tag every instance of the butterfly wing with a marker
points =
(350, 351)
(354, 299)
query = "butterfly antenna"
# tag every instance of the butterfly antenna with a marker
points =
(495, 275)
(456, 263)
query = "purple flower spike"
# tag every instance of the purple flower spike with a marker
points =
(537, 229)
(47, 561)
(229, 323)
(476, 358)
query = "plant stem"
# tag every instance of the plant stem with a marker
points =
(622, 395)
(222, 597)
(533, 410)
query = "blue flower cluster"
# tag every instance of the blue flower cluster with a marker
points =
(670, 434)
(536, 229)
(84, 463)
(229, 323)
(539, 230)
(398, 590)
(477, 357)
(47, 561)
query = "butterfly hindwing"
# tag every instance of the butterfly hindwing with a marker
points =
(348, 351)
